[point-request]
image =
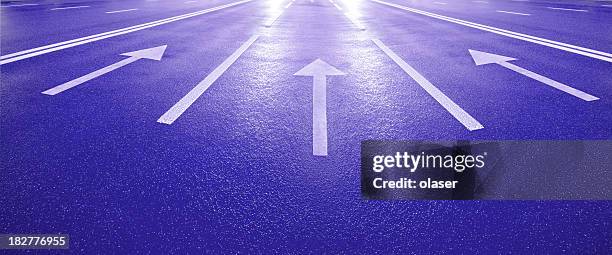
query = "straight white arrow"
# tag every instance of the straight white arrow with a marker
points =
(319, 70)
(155, 53)
(483, 58)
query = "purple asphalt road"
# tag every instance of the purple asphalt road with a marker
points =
(235, 173)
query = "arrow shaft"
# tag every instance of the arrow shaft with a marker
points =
(550, 82)
(319, 115)
(73, 83)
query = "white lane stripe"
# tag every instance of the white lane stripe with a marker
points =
(71, 7)
(271, 21)
(336, 5)
(355, 21)
(607, 5)
(349, 16)
(462, 116)
(92, 38)
(289, 4)
(17, 5)
(566, 9)
(549, 43)
(181, 106)
(190, 2)
(480, 2)
(120, 11)
(515, 13)
(439, 3)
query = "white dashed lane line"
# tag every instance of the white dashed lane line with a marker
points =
(566, 9)
(71, 7)
(17, 5)
(515, 13)
(120, 11)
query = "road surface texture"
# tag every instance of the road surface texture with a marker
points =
(212, 141)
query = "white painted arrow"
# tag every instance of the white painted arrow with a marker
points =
(319, 70)
(154, 53)
(483, 58)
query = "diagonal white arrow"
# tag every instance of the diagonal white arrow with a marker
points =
(483, 58)
(155, 53)
(319, 70)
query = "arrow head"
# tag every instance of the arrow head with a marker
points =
(318, 67)
(154, 53)
(483, 58)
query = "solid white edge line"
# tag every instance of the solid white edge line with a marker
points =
(182, 105)
(461, 115)
(12, 57)
(549, 43)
